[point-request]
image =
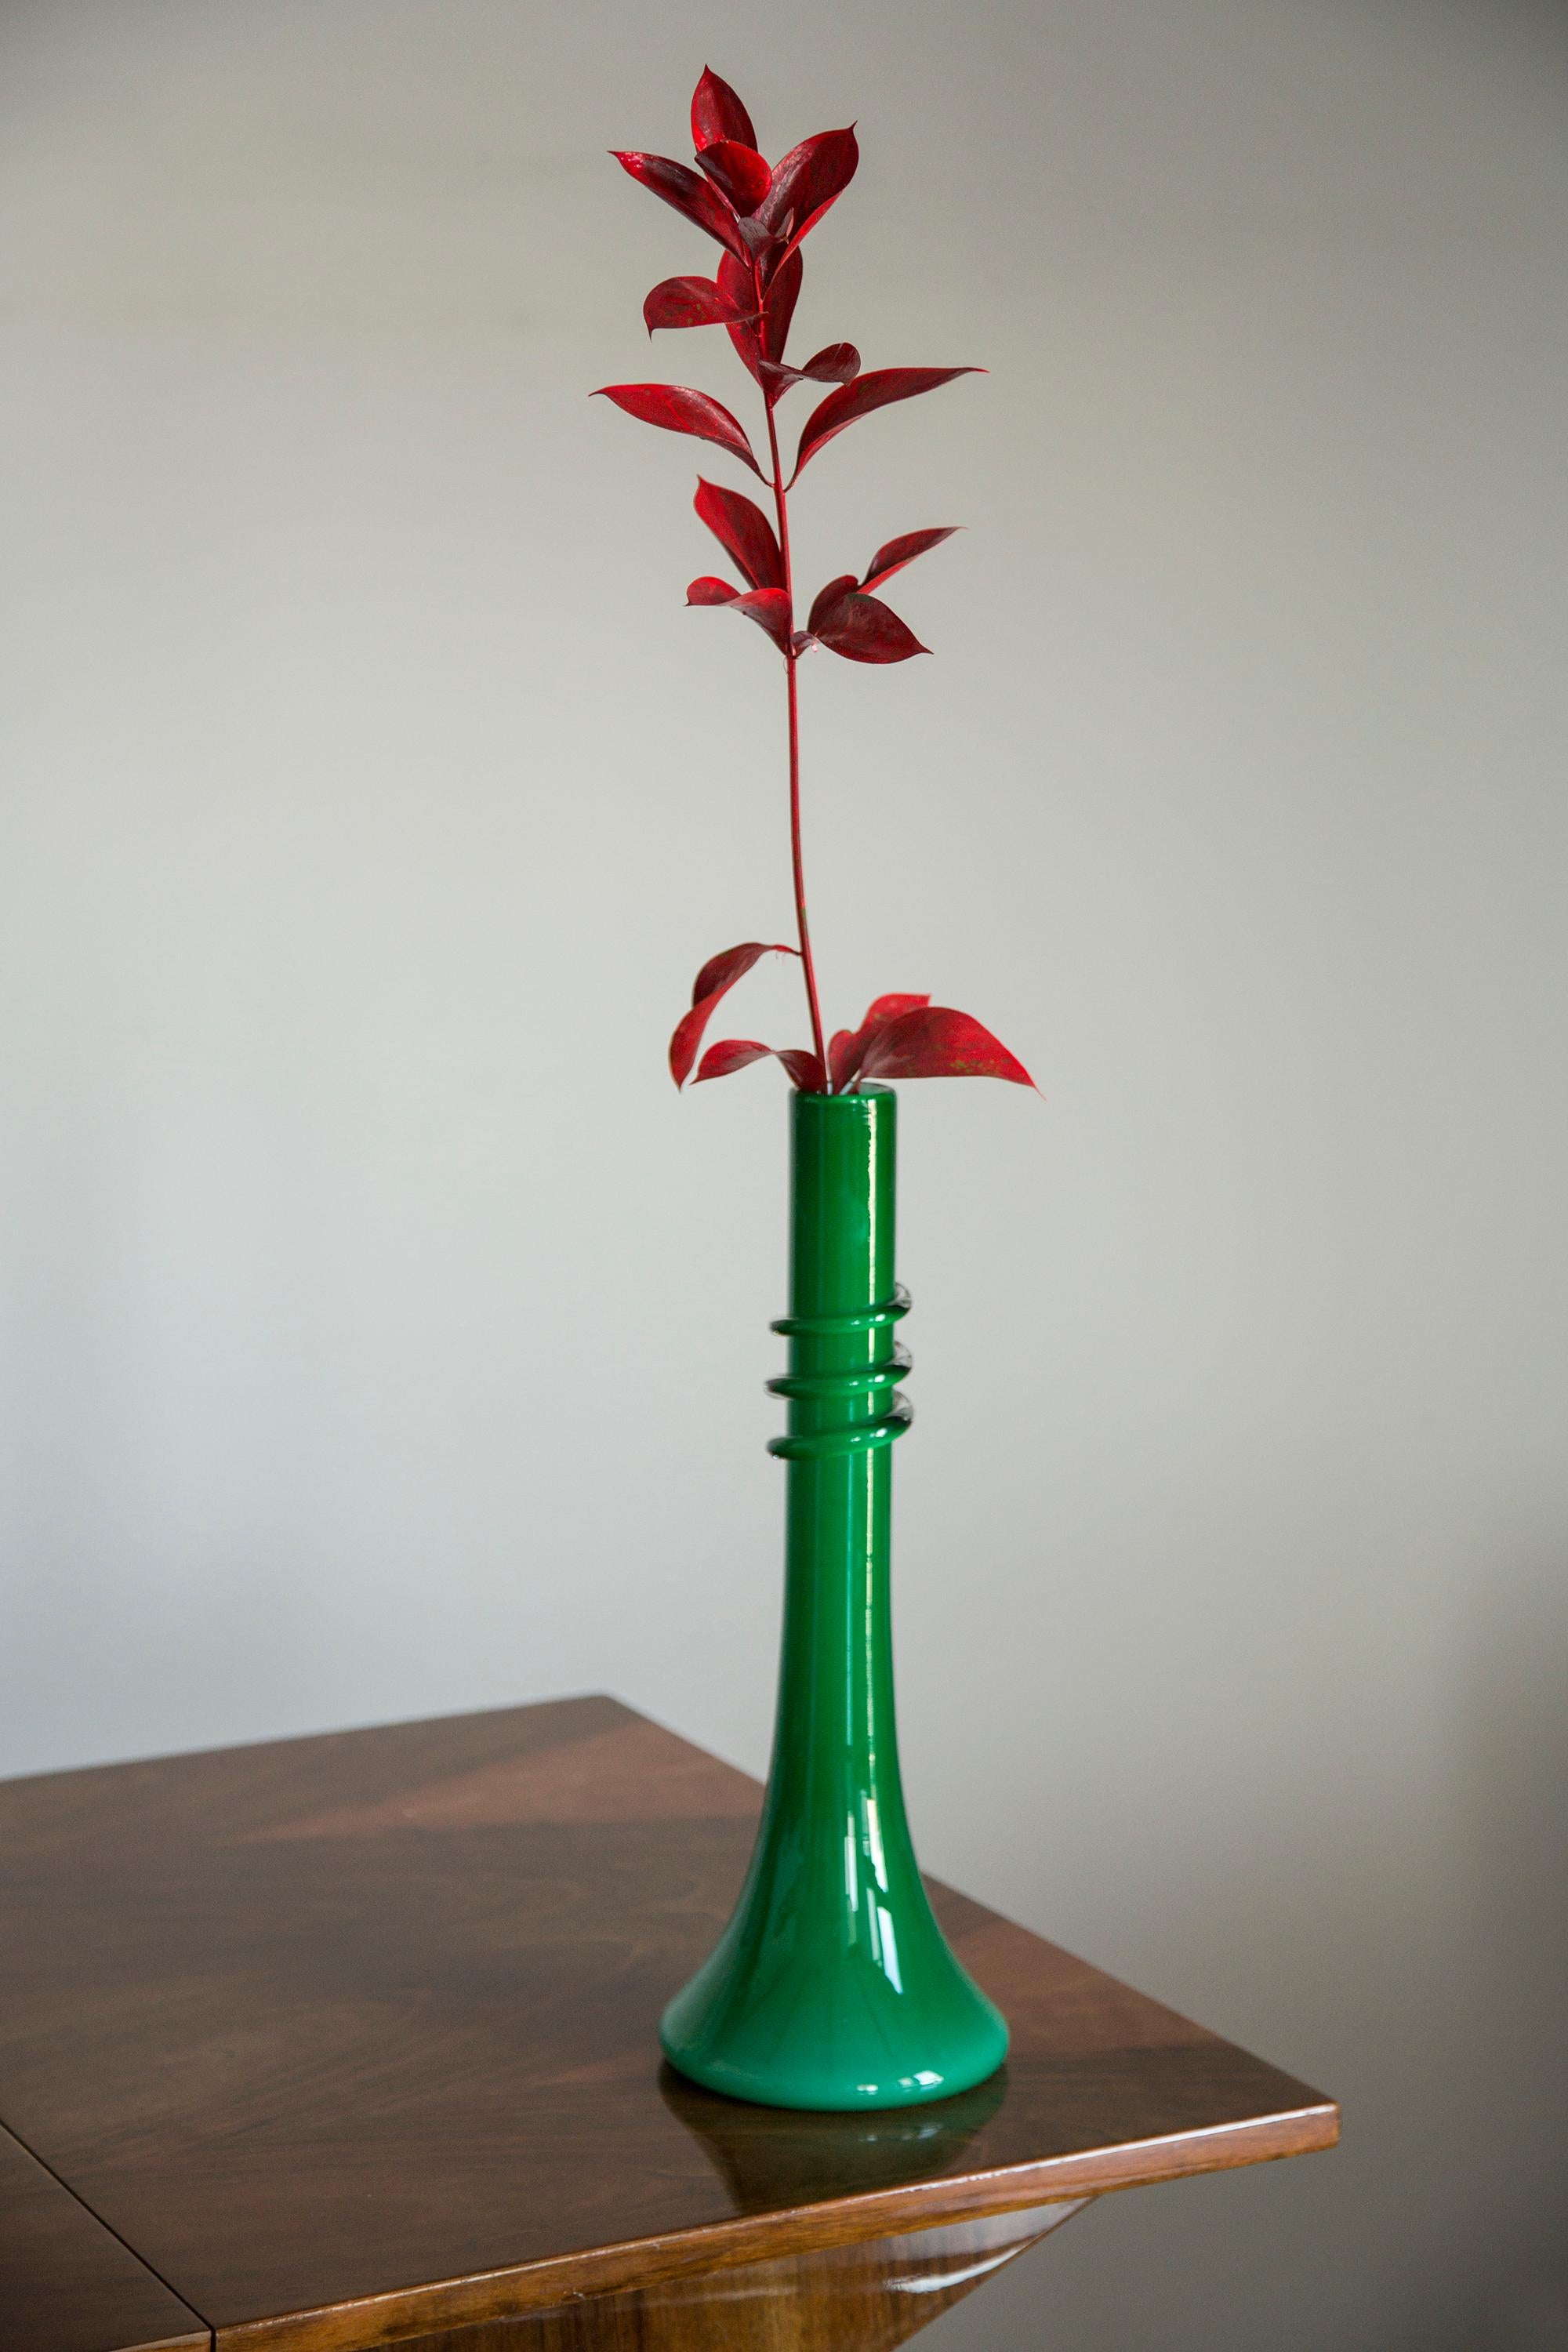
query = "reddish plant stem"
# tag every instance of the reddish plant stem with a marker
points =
(791, 659)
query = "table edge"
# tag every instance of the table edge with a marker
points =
(405, 2312)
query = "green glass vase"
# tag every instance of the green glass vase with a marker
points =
(833, 1987)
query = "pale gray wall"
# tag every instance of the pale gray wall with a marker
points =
(382, 1336)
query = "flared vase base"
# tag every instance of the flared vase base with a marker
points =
(836, 2072)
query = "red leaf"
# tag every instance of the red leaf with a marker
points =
(938, 1043)
(845, 1052)
(717, 113)
(900, 551)
(837, 363)
(743, 530)
(737, 282)
(765, 248)
(864, 629)
(803, 1068)
(730, 1054)
(782, 292)
(756, 345)
(717, 977)
(834, 364)
(738, 172)
(883, 1009)
(827, 600)
(769, 607)
(861, 627)
(722, 971)
(688, 191)
(736, 1052)
(678, 410)
(811, 177)
(875, 390)
(692, 302)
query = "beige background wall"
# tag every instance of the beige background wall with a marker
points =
(381, 1335)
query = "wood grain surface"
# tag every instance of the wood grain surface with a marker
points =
(67, 2284)
(353, 2038)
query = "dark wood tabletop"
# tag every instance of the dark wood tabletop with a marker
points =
(344, 2041)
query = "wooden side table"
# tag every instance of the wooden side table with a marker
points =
(349, 2041)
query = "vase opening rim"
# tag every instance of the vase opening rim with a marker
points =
(872, 1091)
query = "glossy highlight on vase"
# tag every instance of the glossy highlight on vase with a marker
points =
(833, 1987)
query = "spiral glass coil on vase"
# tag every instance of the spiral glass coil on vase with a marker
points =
(833, 1987)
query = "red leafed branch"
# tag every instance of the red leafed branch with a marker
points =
(760, 215)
